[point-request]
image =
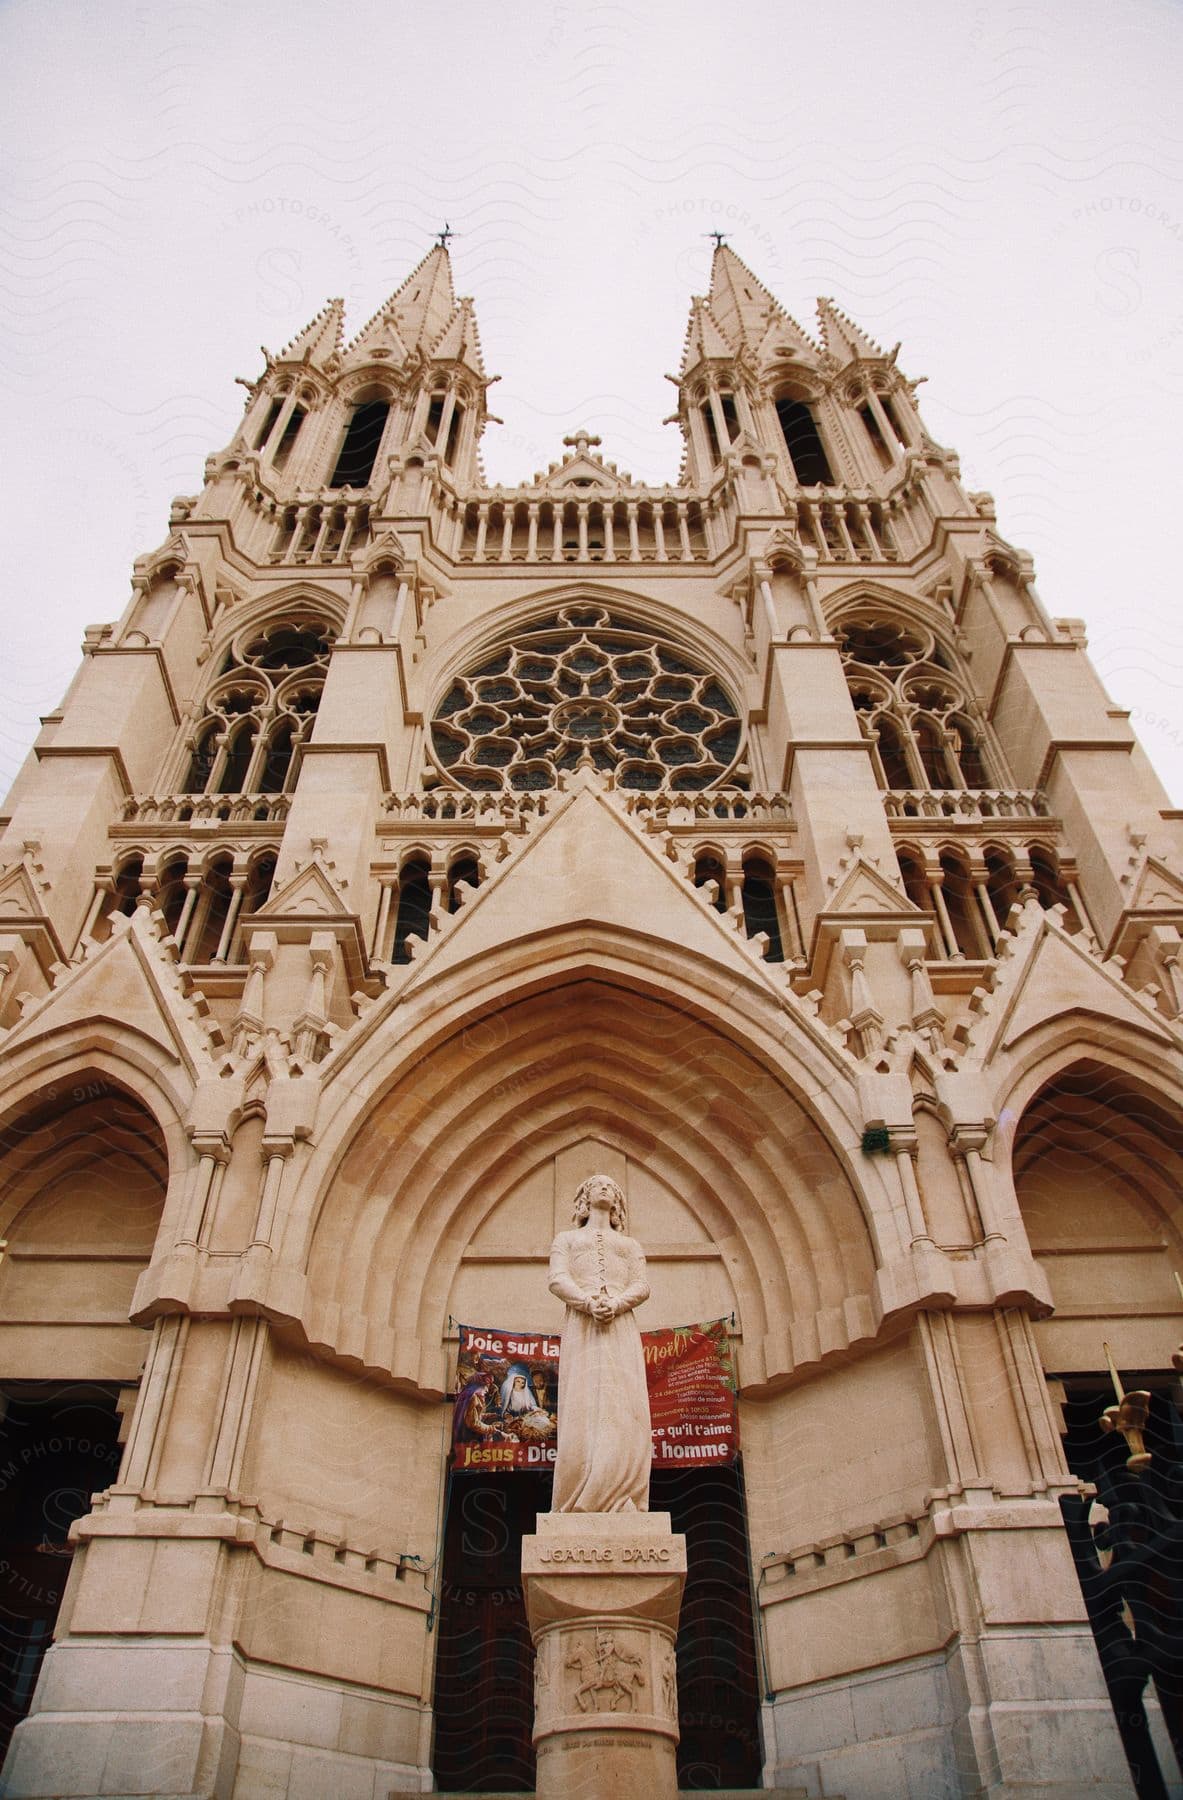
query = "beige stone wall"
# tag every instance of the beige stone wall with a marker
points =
(927, 1158)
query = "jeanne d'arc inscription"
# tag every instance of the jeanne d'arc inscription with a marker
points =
(603, 1576)
(628, 1553)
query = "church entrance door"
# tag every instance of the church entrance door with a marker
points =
(58, 1446)
(484, 1699)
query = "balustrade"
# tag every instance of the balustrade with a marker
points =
(969, 804)
(456, 804)
(841, 528)
(201, 809)
(321, 532)
(527, 528)
(713, 805)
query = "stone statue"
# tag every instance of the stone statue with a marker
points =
(605, 1444)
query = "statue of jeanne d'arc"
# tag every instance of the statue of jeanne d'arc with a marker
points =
(605, 1443)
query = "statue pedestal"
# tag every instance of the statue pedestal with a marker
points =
(603, 1592)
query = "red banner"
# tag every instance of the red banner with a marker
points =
(691, 1375)
(506, 1408)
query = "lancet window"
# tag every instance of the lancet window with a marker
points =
(720, 417)
(881, 423)
(281, 425)
(971, 891)
(288, 436)
(586, 683)
(414, 907)
(202, 900)
(803, 441)
(748, 884)
(359, 446)
(429, 883)
(260, 709)
(915, 707)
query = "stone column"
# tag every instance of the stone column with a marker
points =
(603, 1593)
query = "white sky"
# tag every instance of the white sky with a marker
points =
(1000, 187)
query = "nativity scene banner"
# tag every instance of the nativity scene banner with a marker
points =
(506, 1411)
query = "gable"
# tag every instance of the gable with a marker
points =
(586, 865)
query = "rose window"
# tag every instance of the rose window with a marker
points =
(586, 684)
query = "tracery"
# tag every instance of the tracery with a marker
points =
(586, 682)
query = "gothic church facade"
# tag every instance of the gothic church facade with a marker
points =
(413, 847)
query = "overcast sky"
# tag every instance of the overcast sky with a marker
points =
(1000, 187)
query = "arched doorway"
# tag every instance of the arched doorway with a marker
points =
(83, 1174)
(441, 1211)
(484, 1705)
(1098, 1171)
(1098, 1161)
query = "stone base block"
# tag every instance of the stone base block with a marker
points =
(207, 1724)
(1021, 1713)
(603, 1591)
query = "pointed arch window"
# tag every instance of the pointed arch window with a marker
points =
(464, 868)
(268, 426)
(360, 445)
(892, 417)
(291, 431)
(260, 709)
(804, 444)
(915, 707)
(171, 890)
(878, 442)
(708, 419)
(453, 434)
(1053, 888)
(413, 918)
(707, 867)
(212, 911)
(760, 910)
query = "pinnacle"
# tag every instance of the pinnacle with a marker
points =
(841, 337)
(460, 340)
(705, 340)
(321, 339)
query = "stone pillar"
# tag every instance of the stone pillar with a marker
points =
(603, 1593)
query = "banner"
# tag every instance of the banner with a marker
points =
(506, 1410)
(691, 1376)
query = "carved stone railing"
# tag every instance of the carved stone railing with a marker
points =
(536, 526)
(456, 805)
(715, 805)
(499, 812)
(845, 527)
(325, 529)
(203, 809)
(971, 805)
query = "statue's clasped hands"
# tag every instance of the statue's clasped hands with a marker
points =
(601, 1306)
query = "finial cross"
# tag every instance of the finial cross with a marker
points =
(581, 442)
(441, 237)
(720, 238)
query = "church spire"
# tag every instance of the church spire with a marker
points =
(738, 299)
(418, 311)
